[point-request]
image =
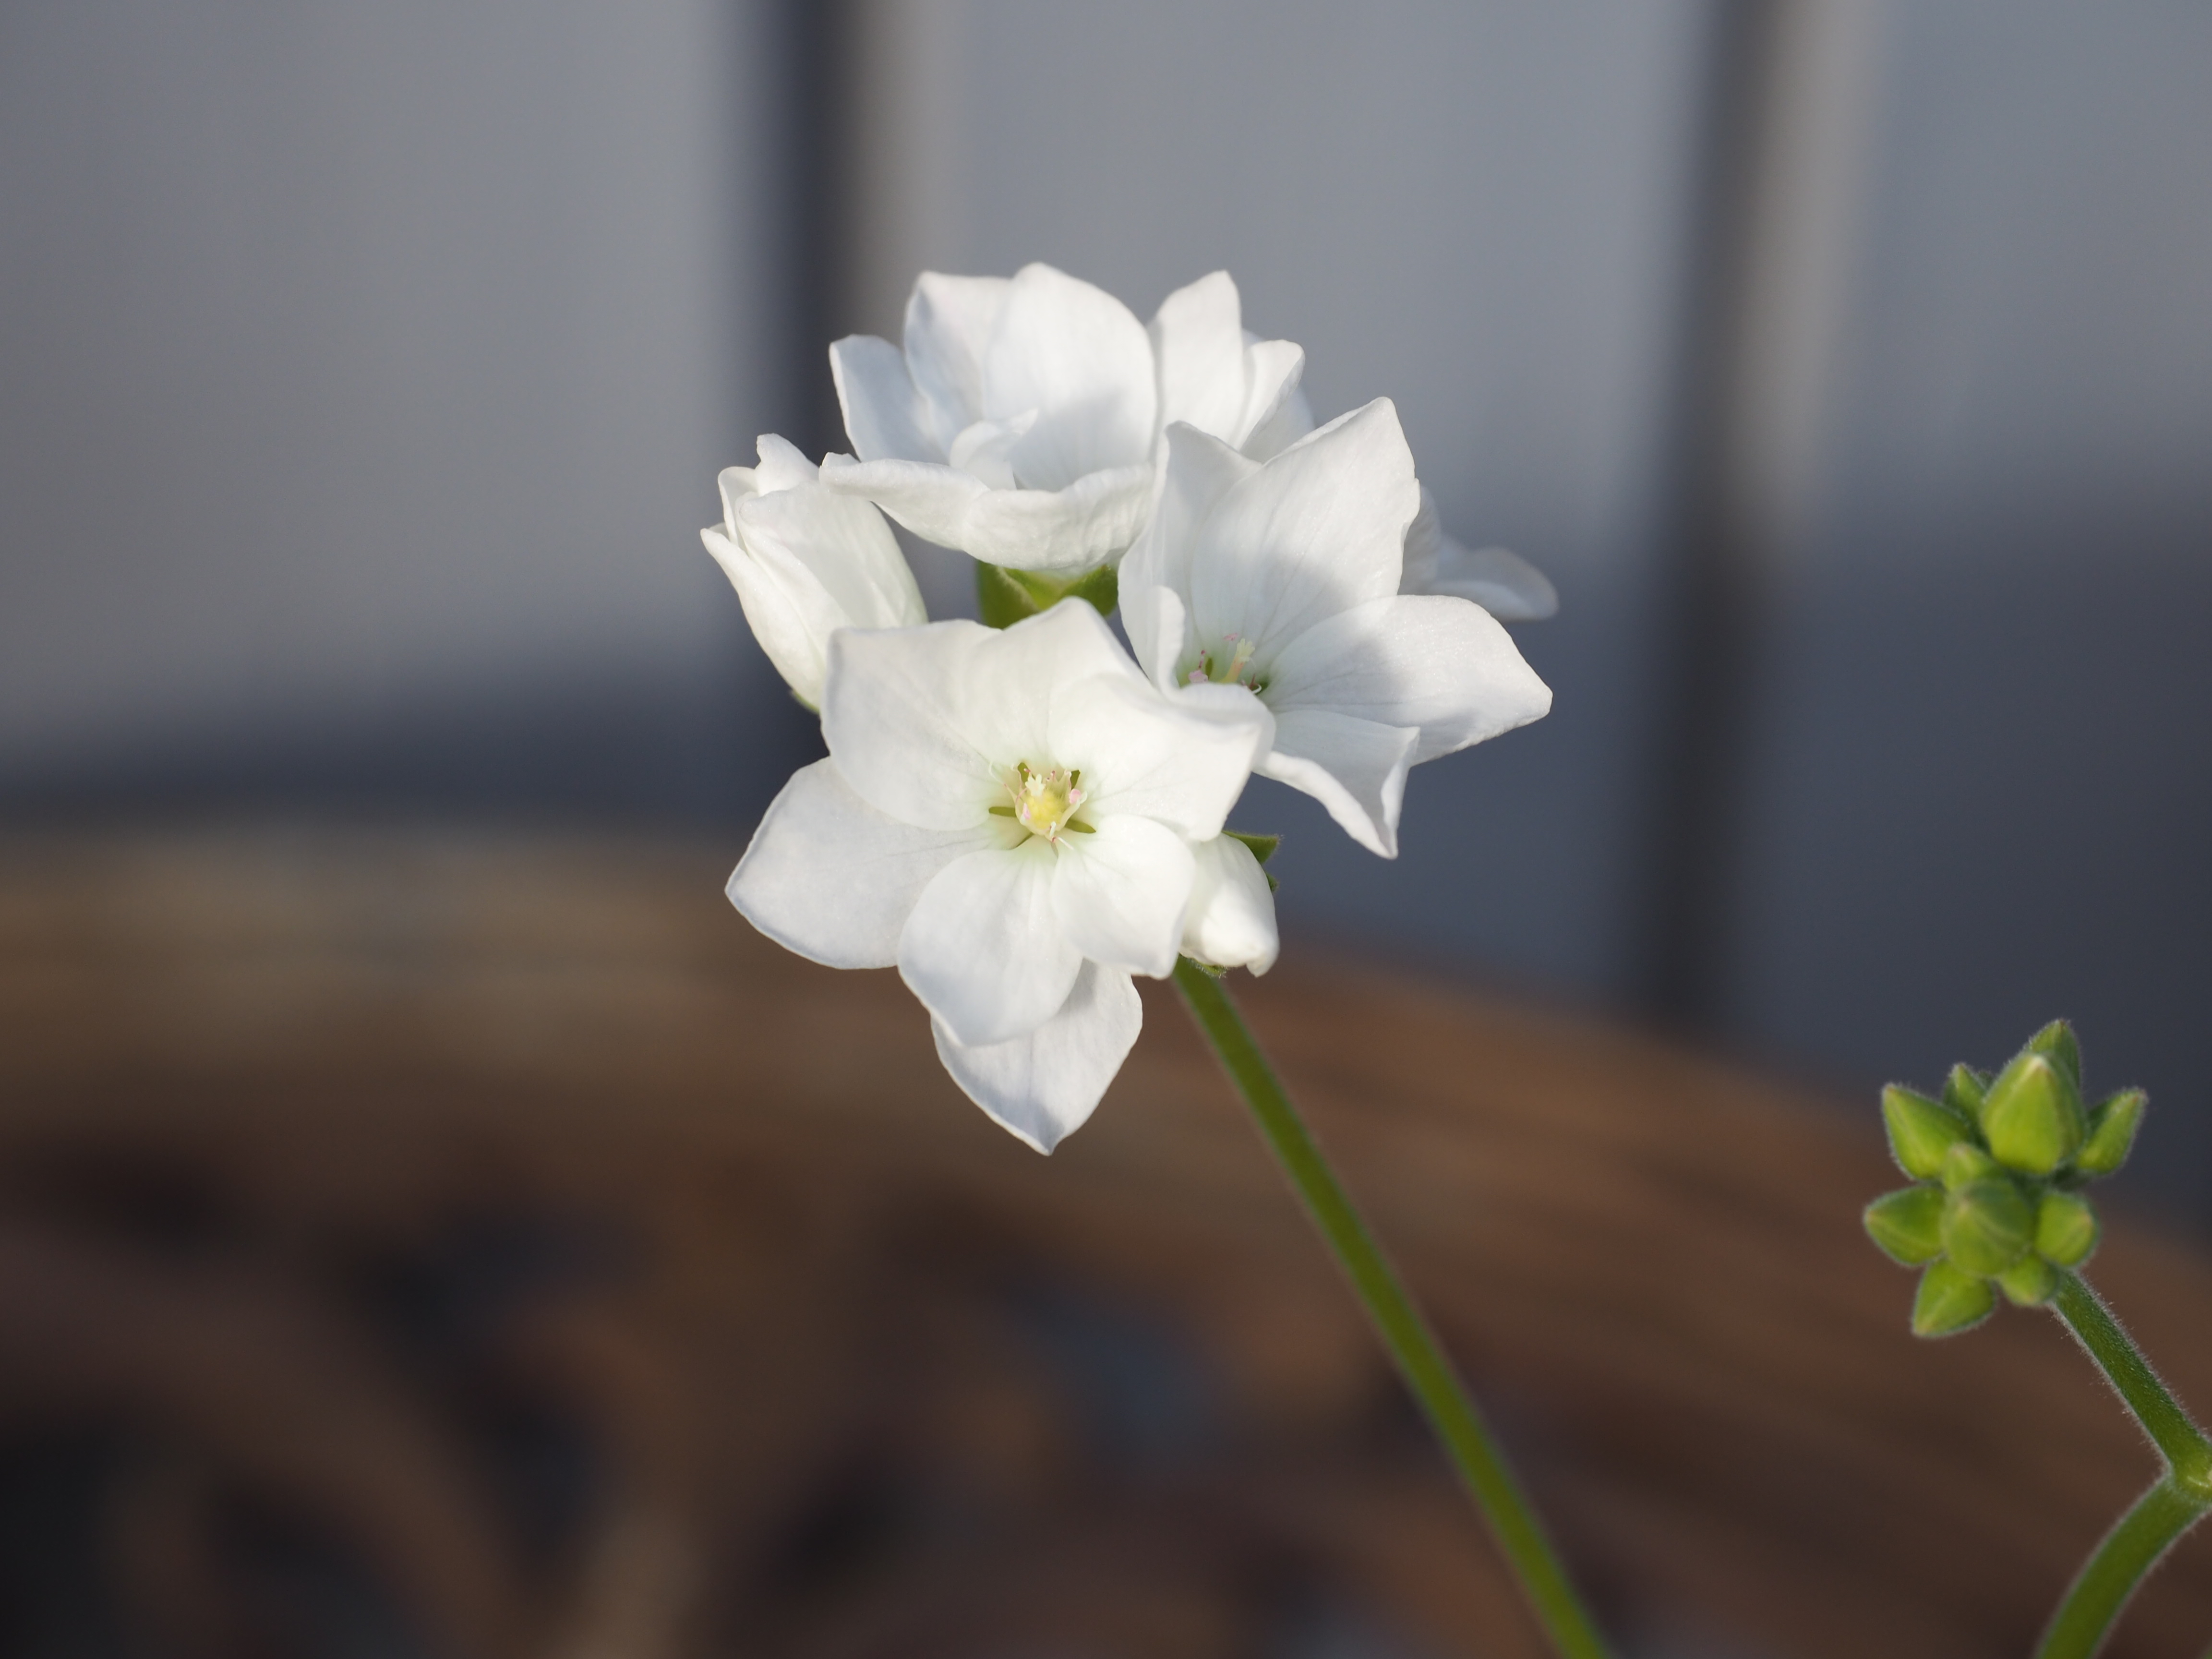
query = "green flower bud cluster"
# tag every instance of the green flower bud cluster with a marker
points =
(1998, 1165)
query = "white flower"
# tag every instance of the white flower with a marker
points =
(1502, 583)
(1022, 422)
(1283, 578)
(1010, 817)
(806, 562)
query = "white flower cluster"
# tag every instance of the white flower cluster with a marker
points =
(1020, 820)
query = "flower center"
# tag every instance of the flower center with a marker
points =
(1046, 801)
(1228, 663)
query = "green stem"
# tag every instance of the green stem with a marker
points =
(2121, 1562)
(1420, 1360)
(2162, 1514)
(2188, 1453)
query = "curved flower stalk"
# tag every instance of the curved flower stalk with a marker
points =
(1021, 420)
(806, 562)
(1019, 822)
(1284, 578)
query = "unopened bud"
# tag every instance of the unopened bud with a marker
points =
(2112, 1132)
(2033, 1114)
(2029, 1282)
(2065, 1228)
(1908, 1225)
(1921, 1130)
(2057, 1043)
(1987, 1226)
(1963, 1090)
(1950, 1300)
(1965, 1163)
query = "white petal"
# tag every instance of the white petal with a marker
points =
(1157, 627)
(1315, 530)
(948, 328)
(783, 465)
(983, 948)
(1040, 1087)
(1501, 581)
(1120, 893)
(985, 449)
(844, 545)
(1355, 767)
(1182, 762)
(1073, 353)
(1072, 529)
(927, 722)
(1198, 337)
(892, 713)
(1276, 413)
(1232, 911)
(1019, 677)
(1068, 530)
(831, 877)
(928, 497)
(1443, 665)
(884, 415)
(1199, 470)
(736, 484)
(1425, 541)
(1505, 584)
(789, 611)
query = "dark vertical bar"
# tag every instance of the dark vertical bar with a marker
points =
(806, 260)
(1709, 607)
(817, 167)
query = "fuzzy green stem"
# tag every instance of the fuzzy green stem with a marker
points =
(2188, 1453)
(2121, 1563)
(1450, 1410)
(2162, 1514)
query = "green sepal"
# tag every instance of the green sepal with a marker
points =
(2029, 1282)
(1963, 1090)
(2032, 1115)
(1206, 967)
(2111, 1132)
(1907, 1225)
(1263, 847)
(1965, 1163)
(1005, 596)
(1950, 1300)
(2066, 1230)
(2057, 1043)
(1921, 1131)
(1987, 1226)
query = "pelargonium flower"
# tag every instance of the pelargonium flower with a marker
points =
(806, 562)
(1499, 580)
(1021, 422)
(1283, 578)
(1018, 820)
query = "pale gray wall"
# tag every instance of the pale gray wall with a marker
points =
(364, 370)
(1981, 790)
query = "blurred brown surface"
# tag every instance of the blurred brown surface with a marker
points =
(490, 1247)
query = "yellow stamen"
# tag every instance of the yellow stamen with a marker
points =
(1045, 802)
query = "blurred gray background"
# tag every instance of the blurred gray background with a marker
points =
(364, 372)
